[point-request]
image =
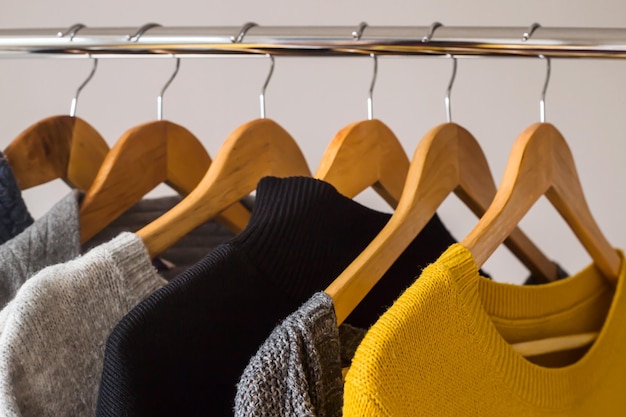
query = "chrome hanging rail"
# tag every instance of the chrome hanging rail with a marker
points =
(314, 41)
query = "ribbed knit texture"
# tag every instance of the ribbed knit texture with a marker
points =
(443, 348)
(297, 370)
(187, 251)
(182, 351)
(560, 274)
(14, 216)
(55, 329)
(52, 239)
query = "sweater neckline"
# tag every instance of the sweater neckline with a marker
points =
(541, 386)
(296, 220)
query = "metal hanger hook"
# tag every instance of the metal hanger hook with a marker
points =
(242, 33)
(167, 84)
(542, 101)
(72, 31)
(431, 31)
(447, 101)
(526, 35)
(238, 39)
(370, 97)
(141, 31)
(267, 81)
(80, 88)
(449, 90)
(356, 35)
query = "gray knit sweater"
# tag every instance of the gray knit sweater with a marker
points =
(297, 370)
(54, 331)
(52, 239)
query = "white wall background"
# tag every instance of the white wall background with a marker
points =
(314, 97)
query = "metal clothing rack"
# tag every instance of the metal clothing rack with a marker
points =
(153, 40)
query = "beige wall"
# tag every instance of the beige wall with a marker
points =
(313, 98)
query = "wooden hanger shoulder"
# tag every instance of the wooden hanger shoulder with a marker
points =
(365, 154)
(62, 147)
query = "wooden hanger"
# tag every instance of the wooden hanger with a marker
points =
(65, 147)
(448, 159)
(541, 163)
(144, 157)
(254, 150)
(62, 147)
(365, 154)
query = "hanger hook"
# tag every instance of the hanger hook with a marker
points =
(80, 88)
(542, 101)
(449, 89)
(238, 39)
(370, 97)
(431, 31)
(242, 33)
(356, 35)
(267, 81)
(141, 31)
(447, 102)
(72, 31)
(167, 84)
(526, 35)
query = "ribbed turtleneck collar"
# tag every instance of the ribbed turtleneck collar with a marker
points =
(302, 230)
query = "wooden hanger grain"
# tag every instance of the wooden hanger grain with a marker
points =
(365, 154)
(62, 147)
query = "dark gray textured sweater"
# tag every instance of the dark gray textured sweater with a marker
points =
(297, 370)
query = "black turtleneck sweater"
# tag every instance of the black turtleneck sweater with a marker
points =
(182, 350)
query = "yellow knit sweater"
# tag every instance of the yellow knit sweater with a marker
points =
(443, 349)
